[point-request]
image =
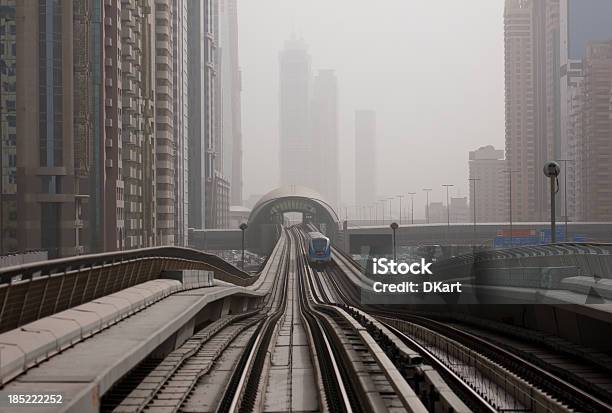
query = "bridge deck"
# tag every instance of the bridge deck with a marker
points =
(88, 369)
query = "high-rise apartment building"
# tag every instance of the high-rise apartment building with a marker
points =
(8, 127)
(295, 147)
(181, 119)
(129, 124)
(217, 183)
(324, 151)
(99, 158)
(231, 86)
(583, 22)
(197, 43)
(532, 62)
(51, 81)
(207, 208)
(490, 185)
(365, 158)
(110, 102)
(165, 128)
(595, 145)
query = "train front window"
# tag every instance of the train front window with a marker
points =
(319, 244)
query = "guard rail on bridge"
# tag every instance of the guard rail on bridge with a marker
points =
(592, 259)
(31, 291)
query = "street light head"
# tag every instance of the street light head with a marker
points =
(394, 226)
(552, 169)
(243, 226)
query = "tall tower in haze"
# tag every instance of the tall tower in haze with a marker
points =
(208, 188)
(181, 118)
(324, 152)
(532, 62)
(231, 99)
(294, 114)
(365, 158)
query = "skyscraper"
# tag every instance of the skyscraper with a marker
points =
(8, 127)
(197, 43)
(51, 161)
(165, 126)
(583, 22)
(595, 145)
(365, 158)
(324, 139)
(208, 188)
(135, 191)
(532, 62)
(231, 91)
(295, 74)
(114, 92)
(181, 118)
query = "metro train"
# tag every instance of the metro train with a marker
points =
(319, 248)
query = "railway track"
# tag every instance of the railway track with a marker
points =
(312, 346)
(541, 390)
(295, 353)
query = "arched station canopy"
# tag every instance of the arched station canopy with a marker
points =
(268, 213)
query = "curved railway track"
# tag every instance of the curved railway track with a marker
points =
(565, 394)
(361, 358)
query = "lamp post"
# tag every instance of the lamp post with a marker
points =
(243, 228)
(427, 191)
(390, 206)
(447, 204)
(565, 161)
(473, 180)
(412, 194)
(400, 208)
(552, 170)
(394, 227)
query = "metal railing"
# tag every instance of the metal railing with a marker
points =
(589, 258)
(32, 291)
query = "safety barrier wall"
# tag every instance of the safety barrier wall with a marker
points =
(32, 291)
(589, 259)
(34, 342)
(22, 258)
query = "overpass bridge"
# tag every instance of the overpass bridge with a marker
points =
(356, 238)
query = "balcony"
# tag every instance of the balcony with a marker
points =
(129, 104)
(127, 67)
(127, 51)
(164, 90)
(159, 59)
(127, 17)
(163, 44)
(130, 122)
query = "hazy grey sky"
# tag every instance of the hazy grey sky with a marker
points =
(432, 69)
